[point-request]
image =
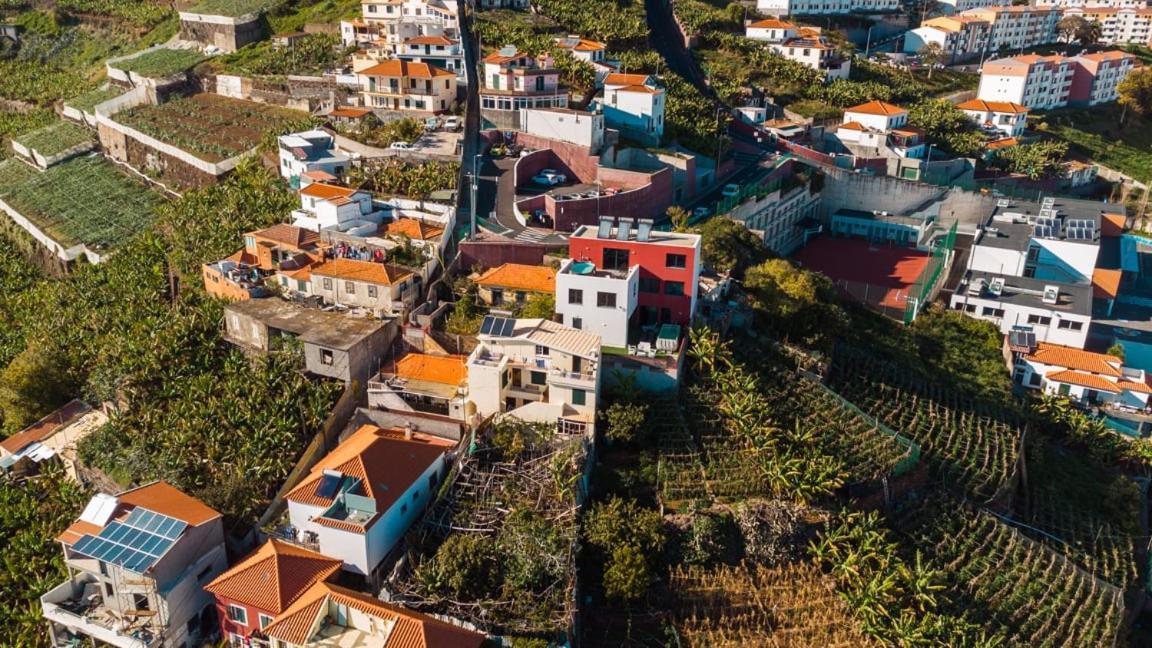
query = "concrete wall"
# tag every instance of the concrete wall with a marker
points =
(227, 33)
(846, 190)
(493, 253)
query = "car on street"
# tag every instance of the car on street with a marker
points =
(401, 146)
(549, 177)
(452, 123)
(701, 212)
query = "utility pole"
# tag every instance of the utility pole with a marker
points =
(475, 186)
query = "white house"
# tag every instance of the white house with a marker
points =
(817, 54)
(398, 85)
(1087, 378)
(566, 125)
(598, 300)
(438, 51)
(520, 362)
(634, 105)
(137, 563)
(880, 129)
(771, 30)
(360, 499)
(877, 115)
(384, 289)
(310, 151)
(1058, 313)
(1004, 116)
(325, 206)
(582, 49)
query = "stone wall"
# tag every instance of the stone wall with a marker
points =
(229, 34)
(846, 190)
(168, 169)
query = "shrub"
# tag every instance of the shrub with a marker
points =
(465, 566)
(625, 422)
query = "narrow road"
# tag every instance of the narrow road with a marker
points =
(665, 37)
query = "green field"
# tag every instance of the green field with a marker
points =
(161, 63)
(88, 101)
(86, 200)
(57, 138)
(1096, 133)
(229, 7)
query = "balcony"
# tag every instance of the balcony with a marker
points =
(76, 610)
(529, 391)
(573, 378)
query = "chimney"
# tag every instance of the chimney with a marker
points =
(624, 229)
(605, 229)
(644, 229)
(408, 431)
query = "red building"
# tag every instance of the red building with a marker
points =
(251, 595)
(668, 264)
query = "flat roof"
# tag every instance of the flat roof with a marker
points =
(656, 237)
(1016, 236)
(329, 329)
(1026, 291)
(884, 218)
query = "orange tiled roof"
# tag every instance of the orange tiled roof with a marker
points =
(993, 106)
(406, 69)
(497, 57)
(384, 461)
(581, 45)
(45, 427)
(413, 228)
(351, 112)
(1106, 282)
(1058, 355)
(1113, 224)
(317, 175)
(164, 498)
(638, 88)
(877, 107)
(772, 23)
(1001, 143)
(1084, 379)
(326, 191)
(523, 277)
(356, 270)
(446, 370)
(1110, 55)
(297, 237)
(409, 629)
(77, 530)
(620, 79)
(852, 125)
(273, 576)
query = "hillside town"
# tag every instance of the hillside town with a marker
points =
(575, 323)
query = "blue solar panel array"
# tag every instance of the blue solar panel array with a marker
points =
(136, 543)
(497, 326)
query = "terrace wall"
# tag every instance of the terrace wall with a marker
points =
(63, 253)
(309, 94)
(226, 32)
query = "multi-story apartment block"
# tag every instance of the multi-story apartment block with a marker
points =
(815, 53)
(137, 564)
(525, 362)
(637, 277)
(1081, 4)
(634, 105)
(959, 36)
(951, 7)
(1004, 116)
(398, 85)
(437, 51)
(825, 7)
(1046, 82)
(513, 80)
(973, 32)
(1118, 25)
(782, 218)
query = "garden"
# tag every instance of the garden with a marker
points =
(1099, 135)
(87, 102)
(84, 200)
(14, 123)
(210, 126)
(57, 138)
(161, 63)
(231, 8)
(313, 54)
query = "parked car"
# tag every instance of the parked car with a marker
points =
(452, 123)
(730, 191)
(549, 177)
(401, 146)
(701, 212)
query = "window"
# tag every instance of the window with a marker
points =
(521, 296)
(237, 614)
(350, 287)
(539, 378)
(1034, 380)
(140, 602)
(403, 509)
(675, 260)
(204, 574)
(301, 285)
(606, 300)
(264, 620)
(372, 292)
(970, 308)
(575, 296)
(615, 259)
(1070, 325)
(103, 568)
(579, 397)
(539, 83)
(108, 589)
(649, 285)
(541, 350)
(1039, 319)
(326, 357)
(497, 296)
(577, 323)
(994, 312)
(674, 288)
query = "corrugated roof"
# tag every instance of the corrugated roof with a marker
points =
(446, 370)
(45, 427)
(357, 270)
(520, 277)
(273, 576)
(557, 336)
(1058, 355)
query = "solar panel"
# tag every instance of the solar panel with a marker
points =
(497, 326)
(328, 485)
(486, 325)
(509, 326)
(153, 522)
(136, 543)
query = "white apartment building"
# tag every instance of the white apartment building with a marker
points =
(955, 6)
(1118, 25)
(1018, 26)
(598, 300)
(1004, 116)
(825, 7)
(565, 125)
(514, 80)
(1046, 82)
(1058, 313)
(959, 36)
(817, 54)
(634, 105)
(1072, 4)
(781, 218)
(521, 362)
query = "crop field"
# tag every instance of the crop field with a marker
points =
(84, 200)
(974, 448)
(57, 138)
(88, 101)
(1011, 583)
(162, 62)
(229, 7)
(209, 126)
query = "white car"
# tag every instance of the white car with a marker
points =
(730, 191)
(549, 177)
(401, 146)
(452, 123)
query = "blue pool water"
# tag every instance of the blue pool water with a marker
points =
(583, 267)
(1127, 428)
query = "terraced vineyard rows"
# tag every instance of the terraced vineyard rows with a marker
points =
(1012, 583)
(973, 448)
(1093, 544)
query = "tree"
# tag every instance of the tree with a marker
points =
(1070, 27)
(678, 216)
(627, 574)
(33, 384)
(947, 126)
(1037, 160)
(621, 521)
(800, 303)
(1117, 351)
(931, 55)
(539, 306)
(729, 247)
(625, 421)
(465, 566)
(1136, 92)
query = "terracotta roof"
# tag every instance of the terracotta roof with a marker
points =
(413, 228)
(446, 370)
(771, 23)
(273, 576)
(1004, 142)
(877, 107)
(430, 40)
(356, 270)
(1110, 55)
(409, 629)
(319, 176)
(1106, 282)
(326, 191)
(522, 277)
(384, 461)
(406, 69)
(164, 498)
(639, 88)
(808, 32)
(1058, 355)
(852, 125)
(297, 237)
(45, 427)
(580, 44)
(351, 112)
(77, 530)
(497, 57)
(908, 130)
(1112, 225)
(993, 106)
(1092, 381)
(243, 256)
(620, 79)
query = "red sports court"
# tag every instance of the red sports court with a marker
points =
(876, 273)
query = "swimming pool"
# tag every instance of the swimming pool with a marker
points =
(1123, 426)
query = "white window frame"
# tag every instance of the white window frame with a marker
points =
(243, 617)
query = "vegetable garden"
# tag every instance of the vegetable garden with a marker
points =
(88, 101)
(974, 447)
(210, 126)
(84, 200)
(57, 138)
(162, 62)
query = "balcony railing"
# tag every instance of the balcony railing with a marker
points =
(576, 376)
(72, 606)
